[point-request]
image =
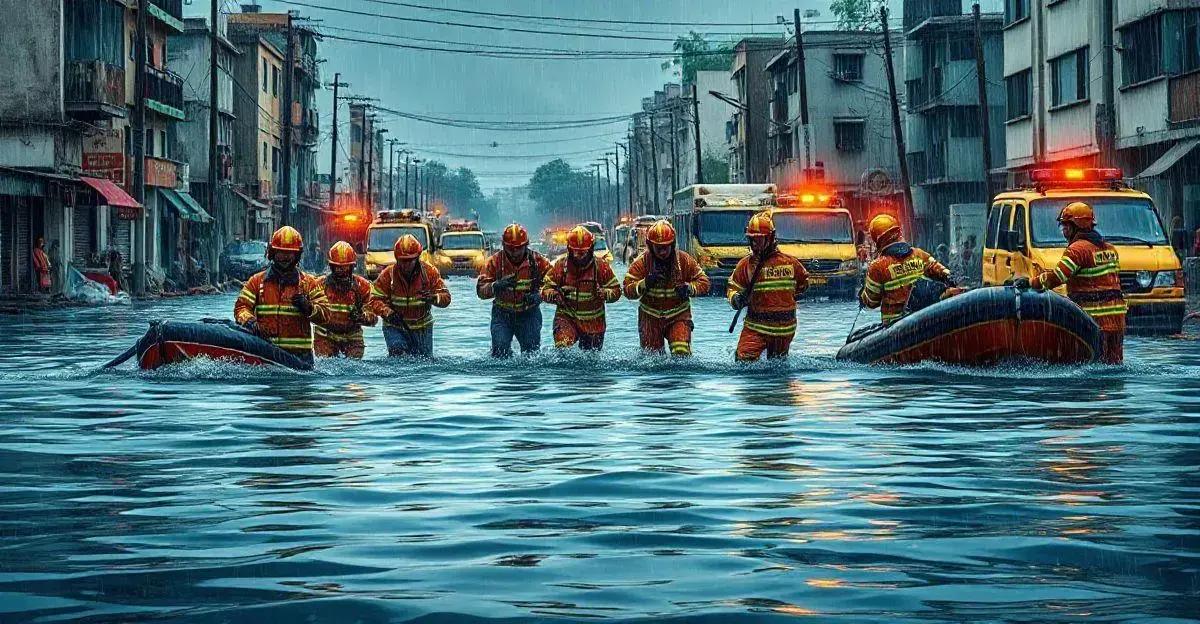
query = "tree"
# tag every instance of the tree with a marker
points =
(715, 168)
(564, 194)
(856, 14)
(695, 53)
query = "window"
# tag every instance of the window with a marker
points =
(964, 122)
(264, 75)
(162, 144)
(848, 135)
(1015, 10)
(993, 226)
(1141, 54)
(266, 156)
(1191, 41)
(960, 48)
(1069, 78)
(274, 81)
(848, 67)
(1018, 228)
(1020, 100)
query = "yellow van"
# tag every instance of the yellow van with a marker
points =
(382, 235)
(461, 251)
(815, 229)
(710, 223)
(1023, 239)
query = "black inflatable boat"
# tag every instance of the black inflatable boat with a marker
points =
(171, 342)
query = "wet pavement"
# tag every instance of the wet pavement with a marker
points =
(575, 487)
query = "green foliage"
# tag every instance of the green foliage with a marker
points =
(856, 14)
(564, 194)
(695, 53)
(458, 190)
(715, 168)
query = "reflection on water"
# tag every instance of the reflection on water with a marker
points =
(576, 486)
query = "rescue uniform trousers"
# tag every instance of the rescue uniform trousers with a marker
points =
(752, 344)
(567, 334)
(399, 344)
(675, 332)
(345, 347)
(525, 326)
(1112, 347)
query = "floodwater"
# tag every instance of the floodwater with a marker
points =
(571, 487)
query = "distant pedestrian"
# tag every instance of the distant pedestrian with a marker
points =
(115, 269)
(41, 265)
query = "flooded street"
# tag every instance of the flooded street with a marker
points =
(571, 487)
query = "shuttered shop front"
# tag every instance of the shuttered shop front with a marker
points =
(83, 231)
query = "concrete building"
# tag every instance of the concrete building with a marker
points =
(747, 131)
(257, 131)
(1072, 104)
(850, 129)
(944, 133)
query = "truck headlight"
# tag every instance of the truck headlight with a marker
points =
(1163, 279)
(1145, 278)
(707, 261)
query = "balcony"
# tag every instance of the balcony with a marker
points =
(1182, 103)
(169, 12)
(164, 92)
(94, 89)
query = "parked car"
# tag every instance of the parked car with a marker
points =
(241, 259)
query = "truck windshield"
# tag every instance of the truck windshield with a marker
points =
(463, 241)
(1121, 220)
(384, 238)
(723, 227)
(813, 227)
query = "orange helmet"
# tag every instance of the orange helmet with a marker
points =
(661, 233)
(1078, 214)
(760, 224)
(342, 254)
(287, 238)
(515, 235)
(407, 247)
(883, 226)
(580, 239)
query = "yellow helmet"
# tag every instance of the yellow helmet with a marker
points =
(883, 227)
(1078, 214)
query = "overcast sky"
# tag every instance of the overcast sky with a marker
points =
(476, 87)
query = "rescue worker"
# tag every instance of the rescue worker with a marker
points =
(767, 283)
(403, 296)
(580, 285)
(281, 303)
(665, 279)
(1090, 269)
(348, 295)
(891, 276)
(512, 277)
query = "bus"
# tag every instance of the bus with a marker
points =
(710, 223)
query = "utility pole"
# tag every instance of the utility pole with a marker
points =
(417, 187)
(674, 152)
(984, 124)
(406, 157)
(596, 211)
(803, 80)
(607, 182)
(907, 212)
(654, 161)
(1108, 125)
(392, 173)
(216, 242)
(333, 148)
(617, 168)
(138, 147)
(645, 167)
(696, 130)
(289, 90)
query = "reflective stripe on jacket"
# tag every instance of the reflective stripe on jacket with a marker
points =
(660, 300)
(394, 292)
(1091, 271)
(594, 286)
(890, 279)
(342, 303)
(529, 275)
(772, 306)
(269, 303)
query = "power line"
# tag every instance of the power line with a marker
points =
(581, 20)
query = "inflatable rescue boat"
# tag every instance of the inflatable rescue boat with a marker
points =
(982, 327)
(172, 342)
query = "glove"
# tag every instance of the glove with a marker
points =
(653, 278)
(532, 298)
(683, 291)
(1021, 283)
(569, 292)
(428, 298)
(356, 317)
(397, 319)
(251, 326)
(507, 282)
(300, 300)
(740, 300)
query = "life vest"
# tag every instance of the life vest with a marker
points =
(1091, 269)
(342, 303)
(891, 276)
(659, 300)
(594, 286)
(267, 300)
(529, 275)
(772, 307)
(393, 292)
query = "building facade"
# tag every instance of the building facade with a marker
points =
(257, 130)
(747, 132)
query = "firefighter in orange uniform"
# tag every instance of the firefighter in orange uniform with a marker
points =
(665, 279)
(403, 296)
(1091, 270)
(348, 294)
(513, 278)
(281, 303)
(767, 283)
(580, 285)
(890, 278)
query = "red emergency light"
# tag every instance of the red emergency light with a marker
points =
(350, 218)
(807, 198)
(1075, 175)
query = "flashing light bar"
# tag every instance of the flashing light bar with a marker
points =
(1076, 175)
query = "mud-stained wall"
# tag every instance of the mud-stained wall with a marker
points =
(31, 60)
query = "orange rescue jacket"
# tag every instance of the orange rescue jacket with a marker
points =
(1091, 271)
(891, 277)
(529, 274)
(772, 306)
(269, 302)
(342, 302)
(393, 292)
(659, 300)
(593, 286)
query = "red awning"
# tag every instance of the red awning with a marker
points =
(115, 195)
